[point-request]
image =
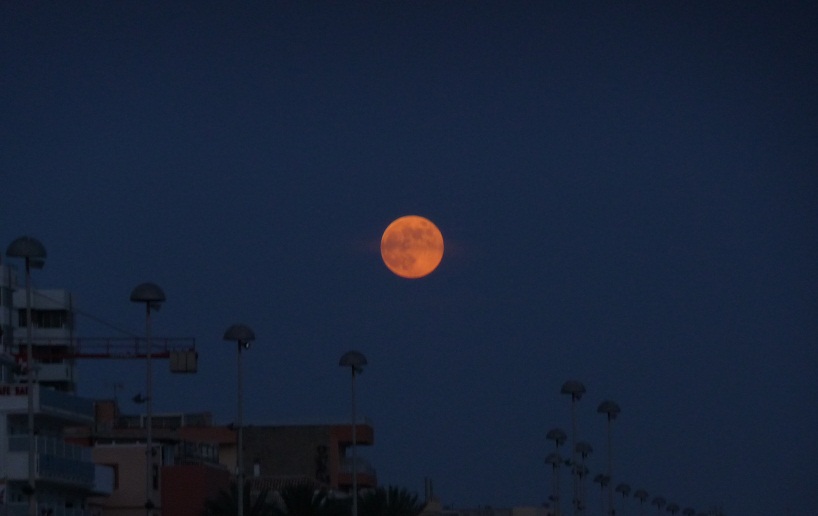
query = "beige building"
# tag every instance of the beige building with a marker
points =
(195, 459)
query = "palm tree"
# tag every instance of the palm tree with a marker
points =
(303, 500)
(390, 501)
(673, 508)
(226, 503)
(689, 511)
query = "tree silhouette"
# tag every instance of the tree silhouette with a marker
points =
(389, 501)
(226, 503)
(303, 500)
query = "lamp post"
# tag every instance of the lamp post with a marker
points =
(33, 253)
(355, 361)
(611, 410)
(603, 481)
(584, 449)
(558, 436)
(555, 460)
(641, 495)
(150, 294)
(659, 502)
(574, 389)
(624, 490)
(243, 336)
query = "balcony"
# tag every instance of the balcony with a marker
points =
(21, 509)
(55, 461)
(364, 433)
(54, 372)
(67, 405)
(367, 476)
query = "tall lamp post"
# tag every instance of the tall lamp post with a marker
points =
(355, 361)
(659, 502)
(611, 410)
(584, 449)
(152, 296)
(624, 490)
(558, 436)
(574, 389)
(33, 253)
(243, 336)
(641, 495)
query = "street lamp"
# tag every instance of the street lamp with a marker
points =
(32, 251)
(558, 436)
(611, 410)
(555, 460)
(659, 502)
(624, 490)
(581, 469)
(641, 495)
(355, 361)
(574, 389)
(243, 336)
(603, 481)
(150, 294)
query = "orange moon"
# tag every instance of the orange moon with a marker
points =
(412, 246)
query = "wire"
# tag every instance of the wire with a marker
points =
(74, 310)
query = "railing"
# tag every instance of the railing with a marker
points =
(51, 446)
(66, 470)
(363, 466)
(21, 509)
(57, 460)
(46, 349)
(171, 421)
(62, 402)
(188, 451)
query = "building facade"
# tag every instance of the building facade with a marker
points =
(184, 470)
(318, 454)
(63, 473)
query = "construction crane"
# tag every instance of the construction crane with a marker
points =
(181, 352)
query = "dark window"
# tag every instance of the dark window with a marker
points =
(115, 467)
(45, 318)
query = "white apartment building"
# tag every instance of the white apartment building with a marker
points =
(64, 475)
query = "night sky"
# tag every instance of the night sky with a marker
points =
(627, 193)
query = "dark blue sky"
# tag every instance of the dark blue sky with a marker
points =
(627, 192)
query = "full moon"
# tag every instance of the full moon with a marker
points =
(412, 247)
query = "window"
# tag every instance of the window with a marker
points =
(115, 469)
(45, 318)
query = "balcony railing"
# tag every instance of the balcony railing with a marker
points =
(65, 403)
(57, 460)
(363, 466)
(21, 509)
